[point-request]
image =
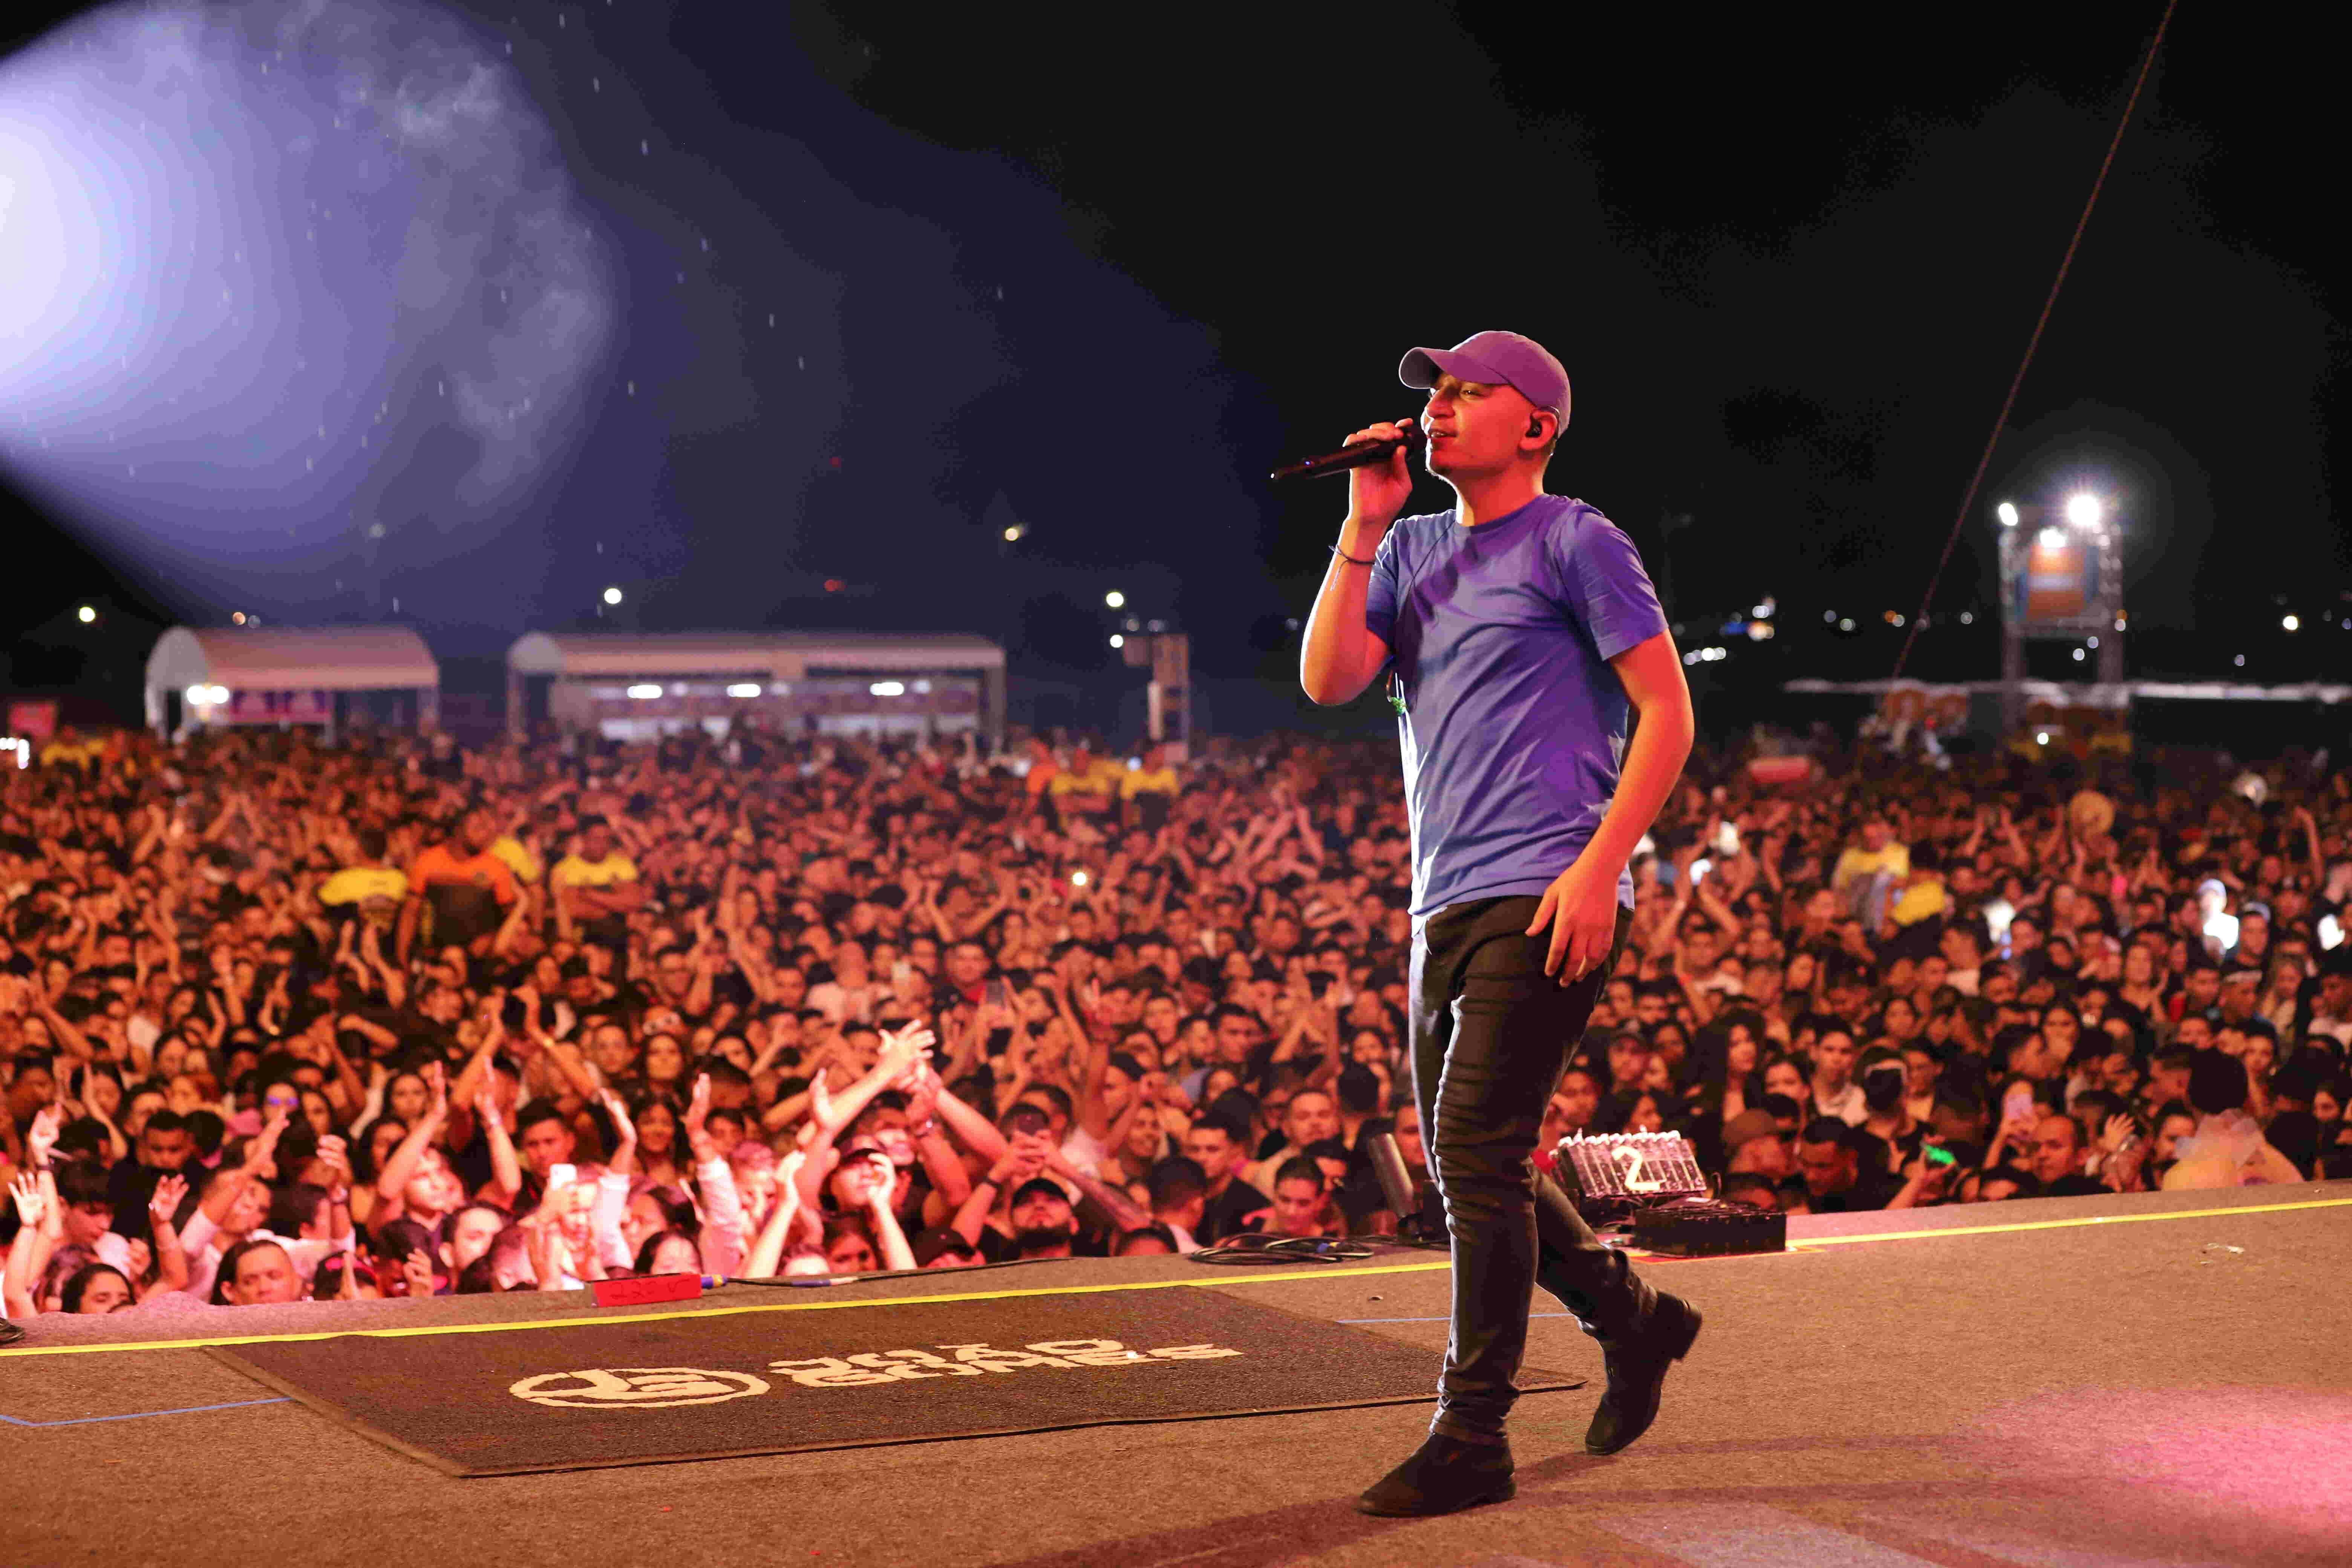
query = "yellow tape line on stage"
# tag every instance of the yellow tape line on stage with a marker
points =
(1287, 1276)
(1808, 1243)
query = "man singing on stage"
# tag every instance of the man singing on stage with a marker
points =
(1518, 630)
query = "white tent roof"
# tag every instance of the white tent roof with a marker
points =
(329, 658)
(782, 656)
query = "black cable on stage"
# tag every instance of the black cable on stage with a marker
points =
(1254, 1248)
(1977, 478)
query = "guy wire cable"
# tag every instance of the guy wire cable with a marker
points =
(1977, 478)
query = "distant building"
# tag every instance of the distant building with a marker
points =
(328, 676)
(632, 685)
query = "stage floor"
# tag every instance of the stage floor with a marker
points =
(2062, 1383)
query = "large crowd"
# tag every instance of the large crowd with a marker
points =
(396, 1017)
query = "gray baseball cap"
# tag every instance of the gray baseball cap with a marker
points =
(1493, 359)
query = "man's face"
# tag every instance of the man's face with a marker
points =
(470, 1237)
(1313, 1115)
(1213, 1150)
(1043, 1211)
(165, 1148)
(596, 844)
(1650, 1010)
(966, 964)
(1829, 1168)
(1875, 835)
(1474, 430)
(1576, 1100)
(545, 1145)
(2056, 1148)
(477, 831)
(1833, 1056)
(611, 1050)
(1628, 1063)
(265, 1277)
(2335, 995)
(1235, 1036)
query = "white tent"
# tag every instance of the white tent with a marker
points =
(225, 676)
(633, 680)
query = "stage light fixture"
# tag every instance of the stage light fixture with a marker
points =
(888, 688)
(744, 688)
(2290, 623)
(1967, 617)
(86, 615)
(1117, 640)
(2007, 513)
(2084, 510)
(1115, 599)
(612, 596)
(2052, 539)
(645, 692)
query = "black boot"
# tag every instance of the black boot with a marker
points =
(1444, 1476)
(1637, 1364)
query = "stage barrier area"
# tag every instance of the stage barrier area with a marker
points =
(2146, 1380)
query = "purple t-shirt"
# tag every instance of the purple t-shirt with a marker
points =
(1514, 726)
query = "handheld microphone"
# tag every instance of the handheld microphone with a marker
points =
(1355, 454)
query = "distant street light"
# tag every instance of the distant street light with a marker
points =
(86, 615)
(2007, 513)
(1117, 640)
(1115, 599)
(1012, 535)
(2084, 510)
(2291, 623)
(612, 596)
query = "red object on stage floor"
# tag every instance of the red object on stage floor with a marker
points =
(653, 1287)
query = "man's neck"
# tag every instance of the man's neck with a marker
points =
(1493, 495)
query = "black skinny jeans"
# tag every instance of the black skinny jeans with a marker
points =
(1490, 1034)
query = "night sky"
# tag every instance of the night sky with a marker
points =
(1093, 275)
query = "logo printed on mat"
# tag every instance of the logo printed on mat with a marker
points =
(659, 1387)
(978, 1360)
(635, 1387)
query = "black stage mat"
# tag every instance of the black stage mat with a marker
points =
(709, 1386)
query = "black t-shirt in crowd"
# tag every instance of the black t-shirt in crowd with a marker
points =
(1224, 1213)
